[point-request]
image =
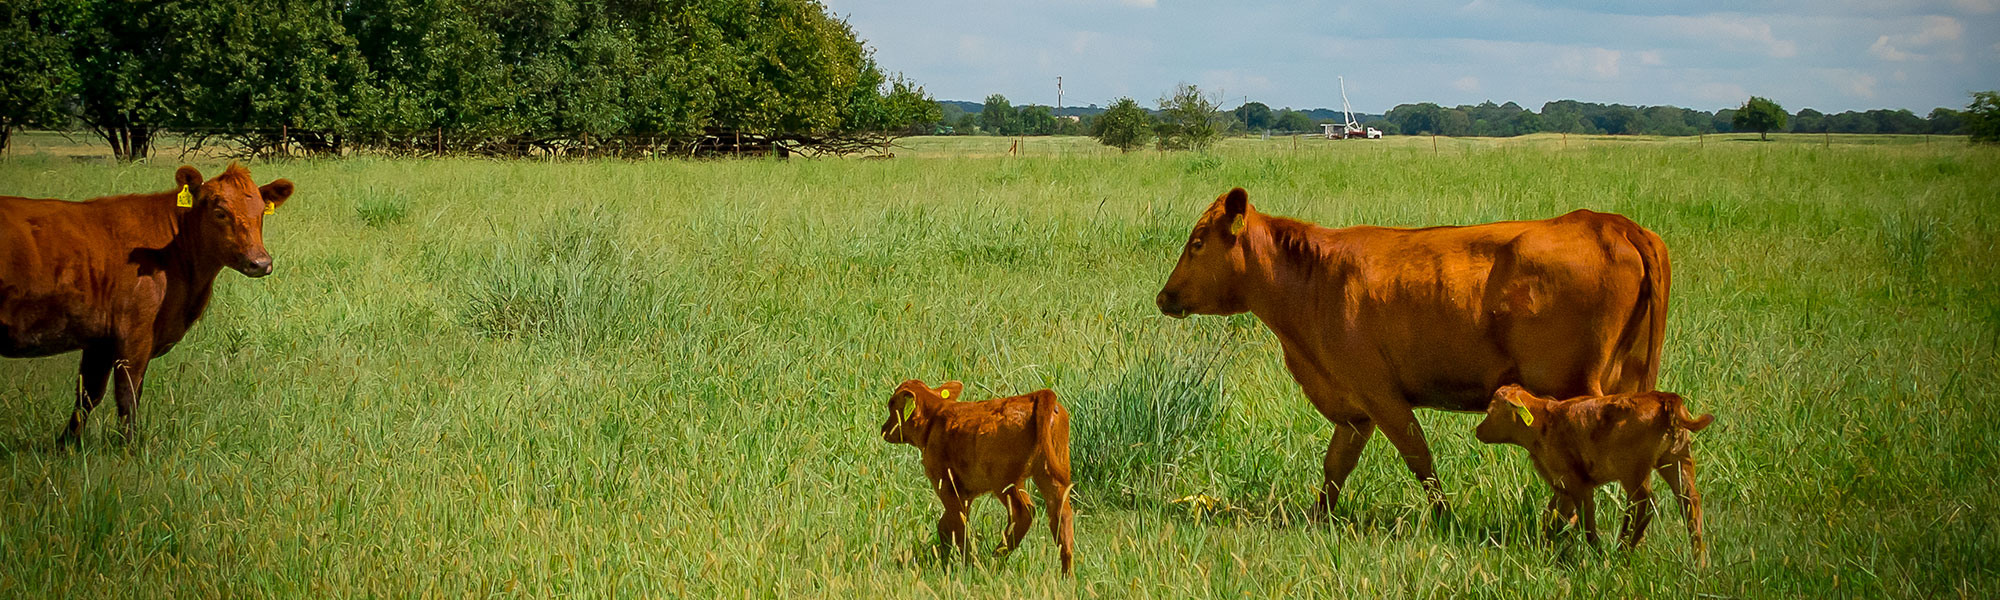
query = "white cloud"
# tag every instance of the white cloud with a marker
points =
(1977, 7)
(1936, 31)
(1601, 63)
(1466, 84)
(1721, 93)
(1855, 84)
(1651, 58)
(1140, 3)
(1736, 30)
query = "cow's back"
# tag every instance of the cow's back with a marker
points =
(1447, 314)
(52, 258)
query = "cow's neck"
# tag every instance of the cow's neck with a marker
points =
(1293, 271)
(172, 239)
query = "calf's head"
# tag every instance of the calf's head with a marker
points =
(228, 216)
(912, 407)
(1211, 267)
(1509, 418)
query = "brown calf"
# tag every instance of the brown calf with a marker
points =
(1585, 442)
(123, 278)
(976, 448)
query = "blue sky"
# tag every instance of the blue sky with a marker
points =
(1830, 55)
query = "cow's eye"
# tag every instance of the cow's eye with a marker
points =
(221, 215)
(1194, 245)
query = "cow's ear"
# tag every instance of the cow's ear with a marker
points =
(276, 192)
(951, 390)
(187, 177)
(1235, 211)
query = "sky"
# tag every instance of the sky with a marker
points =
(1829, 55)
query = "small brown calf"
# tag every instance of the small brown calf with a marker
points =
(976, 448)
(1585, 442)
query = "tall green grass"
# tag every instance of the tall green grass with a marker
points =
(538, 379)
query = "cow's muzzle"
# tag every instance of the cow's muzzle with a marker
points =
(1170, 304)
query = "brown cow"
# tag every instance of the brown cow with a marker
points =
(123, 278)
(1586, 442)
(975, 448)
(1376, 321)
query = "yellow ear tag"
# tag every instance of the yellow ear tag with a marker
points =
(1236, 226)
(270, 208)
(1526, 417)
(185, 199)
(945, 394)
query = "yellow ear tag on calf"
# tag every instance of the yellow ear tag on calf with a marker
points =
(1526, 417)
(270, 208)
(1236, 226)
(945, 394)
(185, 199)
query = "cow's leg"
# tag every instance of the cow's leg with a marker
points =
(1055, 493)
(1342, 452)
(1680, 479)
(1638, 509)
(951, 525)
(1351, 428)
(92, 375)
(1399, 424)
(1020, 514)
(128, 377)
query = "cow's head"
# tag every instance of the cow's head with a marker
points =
(1208, 277)
(228, 214)
(1510, 417)
(911, 408)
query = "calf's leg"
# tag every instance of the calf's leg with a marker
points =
(1680, 479)
(951, 525)
(1055, 493)
(1638, 510)
(1020, 514)
(1342, 452)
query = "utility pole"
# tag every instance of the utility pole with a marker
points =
(1058, 96)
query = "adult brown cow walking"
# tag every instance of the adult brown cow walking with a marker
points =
(123, 278)
(1376, 321)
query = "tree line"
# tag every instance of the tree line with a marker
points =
(502, 77)
(1570, 116)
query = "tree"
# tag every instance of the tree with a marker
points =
(1945, 121)
(1809, 121)
(36, 78)
(1291, 121)
(997, 117)
(1759, 114)
(1187, 119)
(1982, 117)
(1253, 115)
(1124, 126)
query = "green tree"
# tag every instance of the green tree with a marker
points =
(127, 54)
(1253, 115)
(1982, 117)
(1035, 120)
(1760, 115)
(1291, 121)
(1187, 119)
(997, 116)
(1945, 121)
(36, 77)
(1809, 121)
(1124, 126)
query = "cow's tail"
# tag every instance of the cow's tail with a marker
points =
(1673, 407)
(1052, 433)
(1650, 316)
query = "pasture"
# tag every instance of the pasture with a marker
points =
(534, 378)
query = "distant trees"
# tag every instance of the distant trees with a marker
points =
(1291, 121)
(1982, 117)
(1187, 119)
(1253, 115)
(1124, 126)
(36, 76)
(485, 76)
(1761, 115)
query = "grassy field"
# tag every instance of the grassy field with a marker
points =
(524, 378)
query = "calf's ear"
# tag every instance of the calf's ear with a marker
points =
(276, 192)
(951, 390)
(187, 176)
